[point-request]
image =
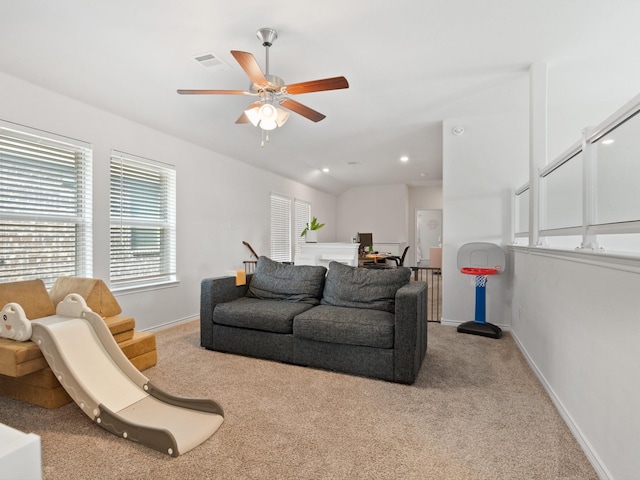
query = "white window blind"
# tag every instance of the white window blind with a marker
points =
(45, 206)
(303, 217)
(280, 228)
(143, 221)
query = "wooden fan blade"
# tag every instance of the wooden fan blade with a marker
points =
(212, 92)
(301, 109)
(334, 83)
(250, 66)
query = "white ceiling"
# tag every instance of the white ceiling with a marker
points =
(410, 64)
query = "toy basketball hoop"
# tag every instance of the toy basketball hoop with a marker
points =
(480, 274)
(480, 260)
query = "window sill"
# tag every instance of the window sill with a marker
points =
(130, 289)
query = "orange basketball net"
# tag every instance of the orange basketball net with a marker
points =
(478, 271)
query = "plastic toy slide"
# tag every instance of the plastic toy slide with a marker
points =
(103, 382)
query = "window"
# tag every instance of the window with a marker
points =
(280, 228)
(45, 206)
(286, 226)
(143, 221)
(302, 211)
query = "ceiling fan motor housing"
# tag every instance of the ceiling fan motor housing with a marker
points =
(267, 36)
(274, 86)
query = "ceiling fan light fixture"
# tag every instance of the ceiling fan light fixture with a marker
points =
(268, 113)
(283, 116)
(268, 124)
(253, 115)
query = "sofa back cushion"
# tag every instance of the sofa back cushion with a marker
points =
(364, 288)
(294, 283)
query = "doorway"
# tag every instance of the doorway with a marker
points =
(428, 235)
(429, 259)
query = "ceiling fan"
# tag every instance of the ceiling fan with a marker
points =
(272, 90)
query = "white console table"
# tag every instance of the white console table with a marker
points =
(20, 455)
(324, 253)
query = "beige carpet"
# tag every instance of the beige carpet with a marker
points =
(475, 412)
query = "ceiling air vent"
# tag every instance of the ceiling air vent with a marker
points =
(211, 61)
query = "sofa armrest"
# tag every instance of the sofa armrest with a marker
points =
(213, 291)
(410, 339)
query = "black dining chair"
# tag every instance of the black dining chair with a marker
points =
(399, 260)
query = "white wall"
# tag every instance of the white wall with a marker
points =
(221, 202)
(578, 326)
(388, 211)
(425, 198)
(380, 209)
(480, 170)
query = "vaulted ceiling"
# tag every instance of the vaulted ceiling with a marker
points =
(410, 64)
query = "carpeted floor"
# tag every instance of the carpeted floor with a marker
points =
(476, 412)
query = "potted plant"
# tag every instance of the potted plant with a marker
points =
(310, 231)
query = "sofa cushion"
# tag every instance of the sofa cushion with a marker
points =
(347, 286)
(348, 326)
(294, 283)
(257, 314)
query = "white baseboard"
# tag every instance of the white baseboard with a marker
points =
(170, 324)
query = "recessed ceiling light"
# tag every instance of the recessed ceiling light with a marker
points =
(608, 141)
(404, 159)
(325, 170)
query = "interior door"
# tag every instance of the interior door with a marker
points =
(428, 234)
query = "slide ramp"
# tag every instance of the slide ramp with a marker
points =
(108, 388)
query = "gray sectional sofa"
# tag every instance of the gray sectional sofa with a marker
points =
(371, 323)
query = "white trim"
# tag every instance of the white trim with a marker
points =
(562, 159)
(598, 258)
(613, 228)
(172, 323)
(621, 115)
(146, 287)
(555, 232)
